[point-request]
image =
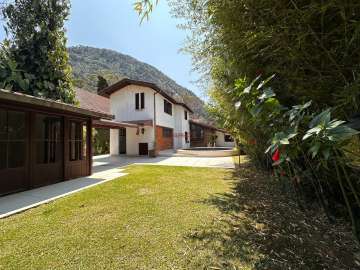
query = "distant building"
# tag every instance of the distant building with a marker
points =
(164, 123)
(204, 135)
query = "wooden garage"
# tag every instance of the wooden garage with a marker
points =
(43, 142)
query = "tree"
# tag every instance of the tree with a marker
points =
(102, 83)
(145, 7)
(38, 47)
(312, 46)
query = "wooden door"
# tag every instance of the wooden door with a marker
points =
(14, 150)
(143, 149)
(122, 141)
(48, 150)
(77, 154)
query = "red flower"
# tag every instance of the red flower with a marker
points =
(276, 156)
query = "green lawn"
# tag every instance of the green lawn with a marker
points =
(145, 220)
(161, 217)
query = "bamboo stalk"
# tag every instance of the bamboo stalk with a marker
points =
(348, 180)
(348, 206)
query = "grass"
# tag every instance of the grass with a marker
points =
(242, 160)
(140, 221)
(177, 218)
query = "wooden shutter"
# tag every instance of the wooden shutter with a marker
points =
(137, 107)
(142, 100)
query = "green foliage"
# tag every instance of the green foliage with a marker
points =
(38, 47)
(308, 149)
(11, 77)
(102, 83)
(312, 46)
(101, 141)
(144, 8)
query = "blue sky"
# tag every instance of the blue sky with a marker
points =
(113, 24)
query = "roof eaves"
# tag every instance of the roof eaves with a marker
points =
(51, 104)
(208, 126)
(125, 82)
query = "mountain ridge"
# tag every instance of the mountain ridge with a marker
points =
(89, 62)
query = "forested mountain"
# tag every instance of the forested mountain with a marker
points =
(89, 62)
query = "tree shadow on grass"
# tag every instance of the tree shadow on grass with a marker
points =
(262, 228)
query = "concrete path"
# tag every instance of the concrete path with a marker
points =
(105, 168)
(212, 162)
(19, 202)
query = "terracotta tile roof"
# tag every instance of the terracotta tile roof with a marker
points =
(92, 101)
(16, 97)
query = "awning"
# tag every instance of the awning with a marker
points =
(103, 123)
(147, 123)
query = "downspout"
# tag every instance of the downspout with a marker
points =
(154, 125)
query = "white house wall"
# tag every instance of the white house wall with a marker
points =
(133, 140)
(122, 104)
(181, 126)
(114, 142)
(162, 118)
(220, 140)
(178, 127)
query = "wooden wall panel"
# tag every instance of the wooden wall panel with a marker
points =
(35, 175)
(163, 143)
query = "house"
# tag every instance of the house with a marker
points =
(163, 120)
(204, 135)
(43, 142)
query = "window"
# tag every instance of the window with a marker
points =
(186, 137)
(167, 107)
(139, 101)
(77, 141)
(228, 138)
(12, 139)
(197, 133)
(167, 132)
(186, 115)
(84, 141)
(48, 139)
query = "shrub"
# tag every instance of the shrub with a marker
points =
(308, 149)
